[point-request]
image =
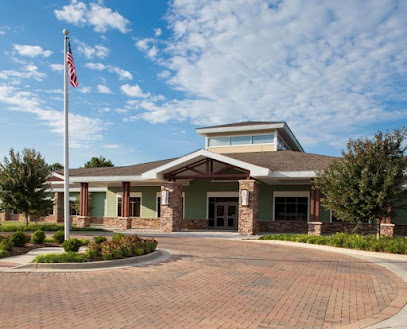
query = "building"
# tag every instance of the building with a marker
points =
(250, 177)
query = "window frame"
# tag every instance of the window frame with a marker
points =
(291, 194)
(132, 195)
(274, 134)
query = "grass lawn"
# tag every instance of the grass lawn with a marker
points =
(344, 240)
(12, 226)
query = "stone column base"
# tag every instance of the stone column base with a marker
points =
(387, 230)
(314, 228)
(124, 223)
(83, 221)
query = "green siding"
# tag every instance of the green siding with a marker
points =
(148, 200)
(401, 214)
(98, 204)
(195, 196)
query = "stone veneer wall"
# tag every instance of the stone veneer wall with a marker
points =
(171, 214)
(248, 215)
(154, 223)
(282, 226)
(335, 227)
(195, 224)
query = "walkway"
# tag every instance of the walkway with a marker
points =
(209, 283)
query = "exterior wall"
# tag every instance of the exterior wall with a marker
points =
(148, 200)
(244, 149)
(401, 214)
(98, 204)
(196, 193)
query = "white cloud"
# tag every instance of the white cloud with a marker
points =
(56, 67)
(91, 52)
(157, 32)
(133, 91)
(29, 71)
(83, 130)
(123, 74)
(96, 15)
(164, 74)
(147, 45)
(328, 69)
(84, 90)
(103, 89)
(31, 51)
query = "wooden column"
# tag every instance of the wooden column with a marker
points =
(317, 196)
(312, 204)
(125, 199)
(84, 199)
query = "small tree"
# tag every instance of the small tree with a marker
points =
(368, 179)
(23, 184)
(55, 166)
(98, 162)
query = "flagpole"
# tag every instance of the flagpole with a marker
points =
(67, 224)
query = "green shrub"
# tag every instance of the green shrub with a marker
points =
(99, 239)
(84, 242)
(5, 242)
(3, 253)
(49, 240)
(93, 250)
(19, 239)
(139, 251)
(69, 257)
(117, 237)
(149, 245)
(111, 250)
(59, 236)
(14, 227)
(39, 237)
(71, 245)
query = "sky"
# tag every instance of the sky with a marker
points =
(151, 72)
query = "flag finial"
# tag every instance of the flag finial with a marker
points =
(65, 31)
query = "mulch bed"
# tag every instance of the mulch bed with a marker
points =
(30, 246)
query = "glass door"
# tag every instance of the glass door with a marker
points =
(226, 216)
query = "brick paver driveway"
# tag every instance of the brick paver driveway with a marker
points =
(209, 283)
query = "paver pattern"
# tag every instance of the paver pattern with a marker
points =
(209, 283)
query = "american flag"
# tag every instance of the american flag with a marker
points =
(72, 71)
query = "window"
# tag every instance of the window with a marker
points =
(158, 207)
(263, 139)
(72, 209)
(51, 211)
(281, 145)
(241, 140)
(291, 208)
(135, 204)
(219, 141)
(211, 207)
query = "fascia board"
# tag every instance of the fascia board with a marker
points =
(293, 174)
(203, 131)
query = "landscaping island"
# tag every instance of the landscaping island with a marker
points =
(396, 245)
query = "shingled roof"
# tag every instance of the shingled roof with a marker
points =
(132, 170)
(275, 161)
(285, 160)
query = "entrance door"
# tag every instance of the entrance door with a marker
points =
(226, 216)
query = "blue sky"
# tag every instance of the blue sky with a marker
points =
(150, 72)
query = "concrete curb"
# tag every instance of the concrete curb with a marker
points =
(346, 251)
(157, 256)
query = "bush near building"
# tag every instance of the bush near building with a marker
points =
(351, 241)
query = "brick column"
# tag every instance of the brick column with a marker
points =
(248, 214)
(314, 228)
(58, 204)
(317, 199)
(387, 230)
(84, 197)
(171, 214)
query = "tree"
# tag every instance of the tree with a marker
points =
(23, 184)
(366, 183)
(98, 162)
(55, 166)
